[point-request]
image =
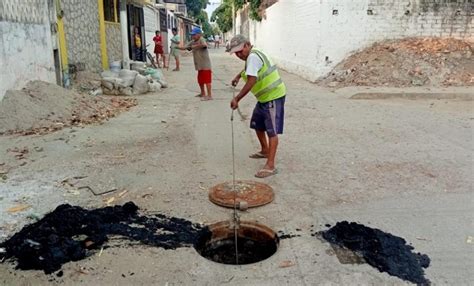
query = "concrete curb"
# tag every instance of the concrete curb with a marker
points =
(414, 95)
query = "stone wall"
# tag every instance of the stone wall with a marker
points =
(26, 49)
(310, 37)
(114, 42)
(81, 23)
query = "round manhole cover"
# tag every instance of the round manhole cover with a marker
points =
(252, 194)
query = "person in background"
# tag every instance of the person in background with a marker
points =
(159, 49)
(202, 62)
(137, 44)
(175, 41)
(217, 41)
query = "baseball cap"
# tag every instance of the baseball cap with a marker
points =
(237, 43)
(196, 30)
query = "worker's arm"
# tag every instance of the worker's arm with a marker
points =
(236, 79)
(234, 104)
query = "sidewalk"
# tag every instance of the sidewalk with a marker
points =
(403, 166)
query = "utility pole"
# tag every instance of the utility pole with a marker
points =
(124, 32)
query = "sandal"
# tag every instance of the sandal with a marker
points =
(263, 173)
(258, 155)
(198, 95)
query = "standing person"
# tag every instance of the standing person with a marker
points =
(217, 41)
(175, 41)
(159, 49)
(202, 62)
(263, 80)
(137, 44)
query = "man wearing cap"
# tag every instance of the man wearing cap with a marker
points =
(202, 62)
(263, 80)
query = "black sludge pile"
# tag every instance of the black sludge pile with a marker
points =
(384, 251)
(71, 233)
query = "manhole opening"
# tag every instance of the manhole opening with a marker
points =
(255, 243)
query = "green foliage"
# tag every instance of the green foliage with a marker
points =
(254, 6)
(196, 11)
(223, 16)
(195, 7)
(203, 20)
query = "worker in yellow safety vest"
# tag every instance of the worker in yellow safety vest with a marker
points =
(263, 80)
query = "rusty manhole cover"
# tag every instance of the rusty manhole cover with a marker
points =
(253, 193)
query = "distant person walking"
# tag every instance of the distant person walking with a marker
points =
(159, 49)
(202, 62)
(263, 80)
(217, 41)
(175, 41)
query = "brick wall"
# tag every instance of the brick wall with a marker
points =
(309, 37)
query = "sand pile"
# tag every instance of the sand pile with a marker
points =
(43, 107)
(407, 62)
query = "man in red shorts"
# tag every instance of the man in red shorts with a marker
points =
(202, 62)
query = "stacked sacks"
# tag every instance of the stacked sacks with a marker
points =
(131, 82)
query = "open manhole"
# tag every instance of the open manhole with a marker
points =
(255, 242)
(252, 194)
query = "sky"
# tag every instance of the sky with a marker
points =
(213, 4)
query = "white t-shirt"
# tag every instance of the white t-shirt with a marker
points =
(254, 64)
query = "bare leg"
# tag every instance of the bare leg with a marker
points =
(262, 138)
(273, 144)
(157, 60)
(209, 92)
(177, 63)
(203, 92)
(164, 60)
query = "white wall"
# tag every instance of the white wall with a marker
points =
(26, 51)
(151, 25)
(300, 34)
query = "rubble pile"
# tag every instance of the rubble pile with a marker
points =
(407, 62)
(43, 107)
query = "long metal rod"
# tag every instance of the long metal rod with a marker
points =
(236, 221)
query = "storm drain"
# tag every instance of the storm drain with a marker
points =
(255, 242)
(248, 193)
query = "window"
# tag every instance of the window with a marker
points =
(111, 11)
(169, 21)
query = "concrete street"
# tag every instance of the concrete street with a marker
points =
(404, 166)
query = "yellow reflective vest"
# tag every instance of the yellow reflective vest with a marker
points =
(269, 85)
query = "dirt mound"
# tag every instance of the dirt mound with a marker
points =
(407, 62)
(43, 107)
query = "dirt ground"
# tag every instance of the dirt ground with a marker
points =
(407, 62)
(400, 165)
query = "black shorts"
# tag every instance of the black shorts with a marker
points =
(269, 117)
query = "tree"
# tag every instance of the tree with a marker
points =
(223, 14)
(196, 11)
(195, 7)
